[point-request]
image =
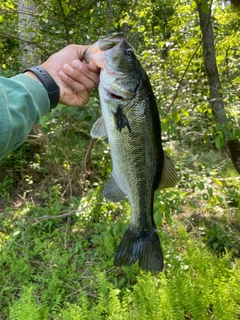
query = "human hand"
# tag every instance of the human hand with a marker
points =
(75, 78)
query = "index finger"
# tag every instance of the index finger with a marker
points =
(82, 69)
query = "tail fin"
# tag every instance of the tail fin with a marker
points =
(144, 247)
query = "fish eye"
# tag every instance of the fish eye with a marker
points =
(129, 53)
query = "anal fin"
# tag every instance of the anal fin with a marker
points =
(112, 191)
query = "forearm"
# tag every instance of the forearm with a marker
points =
(23, 101)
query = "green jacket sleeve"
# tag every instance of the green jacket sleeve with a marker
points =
(23, 101)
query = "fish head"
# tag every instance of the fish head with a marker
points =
(120, 76)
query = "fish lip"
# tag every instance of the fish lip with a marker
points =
(113, 91)
(114, 95)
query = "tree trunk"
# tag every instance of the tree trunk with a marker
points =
(27, 27)
(216, 97)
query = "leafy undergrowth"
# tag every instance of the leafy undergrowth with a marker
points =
(64, 270)
(57, 262)
(57, 245)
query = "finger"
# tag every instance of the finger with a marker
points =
(92, 73)
(93, 67)
(81, 92)
(70, 96)
(78, 78)
(80, 50)
(73, 84)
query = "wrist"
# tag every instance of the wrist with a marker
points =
(33, 76)
(41, 75)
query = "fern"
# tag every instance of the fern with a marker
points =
(202, 287)
(26, 308)
(72, 312)
(196, 285)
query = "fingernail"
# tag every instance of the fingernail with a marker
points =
(67, 68)
(63, 75)
(77, 64)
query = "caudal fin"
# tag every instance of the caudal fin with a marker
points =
(144, 247)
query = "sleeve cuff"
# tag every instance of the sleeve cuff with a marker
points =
(37, 91)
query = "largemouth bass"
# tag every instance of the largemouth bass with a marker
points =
(130, 120)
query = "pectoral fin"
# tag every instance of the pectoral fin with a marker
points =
(112, 191)
(99, 129)
(169, 175)
(121, 119)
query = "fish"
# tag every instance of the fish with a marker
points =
(130, 120)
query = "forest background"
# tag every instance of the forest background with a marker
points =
(58, 235)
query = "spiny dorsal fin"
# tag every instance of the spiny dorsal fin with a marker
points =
(99, 129)
(169, 175)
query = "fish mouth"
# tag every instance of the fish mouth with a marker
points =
(114, 96)
(115, 91)
(119, 96)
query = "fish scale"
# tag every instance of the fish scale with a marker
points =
(131, 122)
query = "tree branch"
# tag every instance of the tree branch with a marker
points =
(64, 21)
(60, 216)
(7, 35)
(182, 78)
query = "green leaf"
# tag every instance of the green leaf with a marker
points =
(9, 5)
(185, 112)
(168, 218)
(158, 218)
(210, 191)
(219, 141)
(219, 199)
(176, 116)
(200, 185)
(43, 121)
(218, 182)
(205, 8)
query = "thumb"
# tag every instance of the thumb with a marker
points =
(80, 50)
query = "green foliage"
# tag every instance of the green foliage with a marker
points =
(233, 197)
(167, 202)
(196, 284)
(57, 258)
(58, 236)
(218, 239)
(26, 307)
(6, 186)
